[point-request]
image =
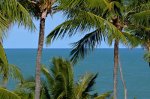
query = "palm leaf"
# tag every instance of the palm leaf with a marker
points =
(6, 94)
(15, 72)
(18, 15)
(89, 41)
(141, 18)
(104, 95)
(84, 85)
(48, 76)
(82, 23)
(147, 57)
(4, 68)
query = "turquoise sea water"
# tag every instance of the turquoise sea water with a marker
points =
(136, 71)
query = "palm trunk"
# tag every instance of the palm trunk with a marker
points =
(39, 54)
(115, 74)
(123, 81)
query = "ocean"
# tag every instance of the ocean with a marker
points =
(136, 71)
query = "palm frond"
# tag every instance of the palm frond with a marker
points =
(15, 72)
(82, 23)
(48, 76)
(132, 40)
(3, 58)
(60, 79)
(6, 94)
(141, 18)
(104, 95)
(27, 85)
(84, 85)
(19, 14)
(87, 43)
(3, 26)
(4, 68)
(147, 57)
(45, 93)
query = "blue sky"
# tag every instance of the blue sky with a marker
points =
(19, 37)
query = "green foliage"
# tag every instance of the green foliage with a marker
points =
(18, 15)
(58, 83)
(104, 96)
(98, 18)
(6, 94)
(3, 64)
(92, 17)
(3, 58)
(61, 81)
(35, 8)
(147, 57)
(8, 70)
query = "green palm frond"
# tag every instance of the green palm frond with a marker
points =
(84, 86)
(3, 57)
(26, 88)
(62, 30)
(82, 23)
(132, 40)
(11, 71)
(6, 94)
(27, 85)
(147, 57)
(104, 95)
(60, 79)
(48, 76)
(3, 26)
(18, 14)
(141, 18)
(63, 74)
(88, 42)
(25, 95)
(138, 35)
(4, 67)
(45, 93)
(15, 72)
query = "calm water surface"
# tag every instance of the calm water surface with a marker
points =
(136, 71)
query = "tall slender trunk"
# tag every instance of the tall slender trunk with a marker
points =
(39, 54)
(123, 81)
(115, 73)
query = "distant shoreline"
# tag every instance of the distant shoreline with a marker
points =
(67, 48)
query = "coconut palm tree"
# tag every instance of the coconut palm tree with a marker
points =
(59, 83)
(105, 18)
(140, 26)
(39, 9)
(8, 17)
(18, 15)
(142, 34)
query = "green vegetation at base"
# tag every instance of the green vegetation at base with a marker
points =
(58, 83)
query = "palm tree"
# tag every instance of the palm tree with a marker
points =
(18, 15)
(39, 9)
(140, 26)
(7, 18)
(105, 18)
(142, 34)
(58, 83)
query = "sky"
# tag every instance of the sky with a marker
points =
(19, 37)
